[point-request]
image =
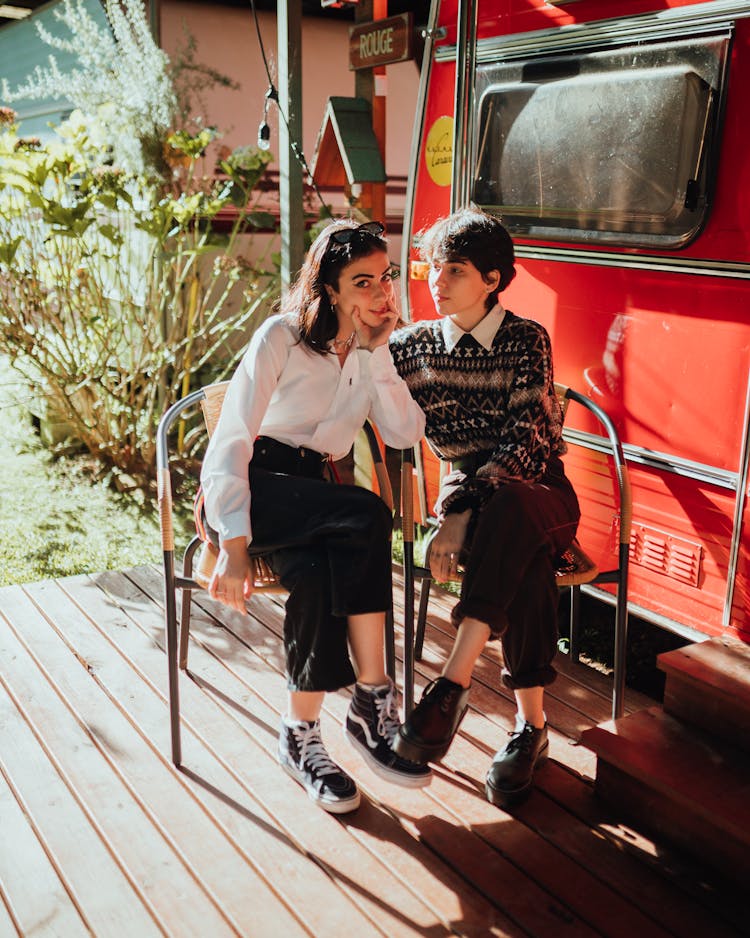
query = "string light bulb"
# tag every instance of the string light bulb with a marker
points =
(264, 136)
(264, 131)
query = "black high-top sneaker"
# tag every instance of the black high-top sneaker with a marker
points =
(371, 725)
(303, 755)
(509, 778)
(428, 731)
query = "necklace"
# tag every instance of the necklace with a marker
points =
(341, 344)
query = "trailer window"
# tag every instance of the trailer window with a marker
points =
(609, 146)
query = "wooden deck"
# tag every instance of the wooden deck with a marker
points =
(101, 835)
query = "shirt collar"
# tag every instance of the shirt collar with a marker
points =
(484, 331)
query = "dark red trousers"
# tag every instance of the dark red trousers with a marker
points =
(509, 579)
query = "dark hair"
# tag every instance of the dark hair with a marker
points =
(326, 258)
(472, 235)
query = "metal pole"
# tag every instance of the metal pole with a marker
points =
(466, 45)
(369, 83)
(289, 39)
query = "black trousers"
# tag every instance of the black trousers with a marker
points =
(330, 546)
(509, 579)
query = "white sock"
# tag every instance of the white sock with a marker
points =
(291, 723)
(373, 688)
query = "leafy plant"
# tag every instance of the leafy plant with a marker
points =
(116, 293)
(121, 83)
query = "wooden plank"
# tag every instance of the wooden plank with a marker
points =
(205, 788)
(682, 885)
(470, 835)
(213, 857)
(660, 899)
(29, 881)
(9, 928)
(656, 811)
(273, 785)
(160, 875)
(109, 901)
(702, 775)
(686, 786)
(642, 876)
(722, 663)
(482, 867)
(392, 851)
(574, 893)
(708, 685)
(424, 841)
(615, 849)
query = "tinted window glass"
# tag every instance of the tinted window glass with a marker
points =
(613, 146)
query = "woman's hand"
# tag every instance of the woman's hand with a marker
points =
(374, 329)
(231, 582)
(447, 544)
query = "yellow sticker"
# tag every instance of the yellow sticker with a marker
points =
(438, 151)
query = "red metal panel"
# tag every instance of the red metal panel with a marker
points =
(667, 353)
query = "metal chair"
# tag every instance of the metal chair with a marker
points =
(210, 399)
(575, 569)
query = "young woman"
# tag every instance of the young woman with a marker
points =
(309, 379)
(483, 377)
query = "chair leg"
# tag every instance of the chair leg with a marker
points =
(408, 627)
(621, 635)
(170, 612)
(185, 605)
(424, 601)
(575, 618)
(390, 645)
(185, 602)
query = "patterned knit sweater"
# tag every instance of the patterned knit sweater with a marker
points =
(499, 404)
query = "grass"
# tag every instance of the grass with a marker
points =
(56, 518)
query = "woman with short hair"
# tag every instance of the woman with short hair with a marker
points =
(483, 377)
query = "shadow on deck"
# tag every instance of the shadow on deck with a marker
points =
(101, 835)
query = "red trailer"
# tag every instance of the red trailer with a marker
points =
(613, 139)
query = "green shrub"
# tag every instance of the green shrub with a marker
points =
(114, 291)
(117, 293)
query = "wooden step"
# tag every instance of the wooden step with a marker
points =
(708, 685)
(678, 783)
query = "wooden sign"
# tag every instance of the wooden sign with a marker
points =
(382, 42)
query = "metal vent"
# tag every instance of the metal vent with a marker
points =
(663, 553)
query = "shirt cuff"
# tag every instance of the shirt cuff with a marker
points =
(233, 525)
(379, 362)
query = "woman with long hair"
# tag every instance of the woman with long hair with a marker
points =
(309, 379)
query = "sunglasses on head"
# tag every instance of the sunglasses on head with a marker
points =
(345, 235)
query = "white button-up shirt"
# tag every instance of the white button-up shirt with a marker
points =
(283, 390)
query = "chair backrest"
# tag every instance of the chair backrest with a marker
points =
(214, 395)
(561, 390)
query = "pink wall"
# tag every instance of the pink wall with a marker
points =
(227, 40)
